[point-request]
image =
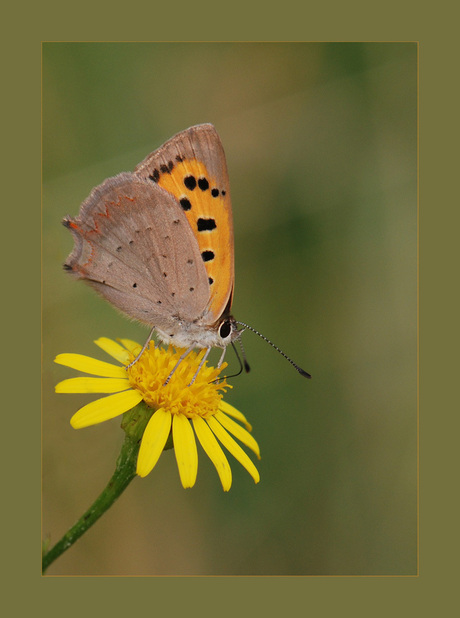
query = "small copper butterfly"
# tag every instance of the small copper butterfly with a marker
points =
(157, 243)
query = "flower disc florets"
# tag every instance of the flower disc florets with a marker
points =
(180, 395)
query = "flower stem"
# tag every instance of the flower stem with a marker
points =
(133, 423)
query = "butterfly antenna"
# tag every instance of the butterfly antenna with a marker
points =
(299, 369)
(239, 360)
(234, 375)
(247, 368)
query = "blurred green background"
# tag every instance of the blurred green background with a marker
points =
(321, 145)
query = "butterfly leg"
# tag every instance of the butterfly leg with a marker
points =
(143, 349)
(205, 356)
(221, 359)
(187, 351)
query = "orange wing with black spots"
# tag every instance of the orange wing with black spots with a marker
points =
(191, 167)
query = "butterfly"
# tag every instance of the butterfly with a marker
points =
(157, 243)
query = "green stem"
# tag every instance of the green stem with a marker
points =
(133, 423)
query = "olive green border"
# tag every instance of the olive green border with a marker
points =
(317, 596)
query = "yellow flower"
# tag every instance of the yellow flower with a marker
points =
(180, 406)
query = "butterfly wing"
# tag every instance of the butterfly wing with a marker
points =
(134, 245)
(191, 166)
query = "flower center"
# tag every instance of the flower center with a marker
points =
(201, 398)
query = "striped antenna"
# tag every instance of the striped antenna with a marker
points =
(299, 369)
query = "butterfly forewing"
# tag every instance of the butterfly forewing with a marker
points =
(191, 167)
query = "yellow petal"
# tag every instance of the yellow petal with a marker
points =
(130, 345)
(153, 441)
(239, 432)
(105, 408)
(114, 349)
(234, 448)
(231, 411)
(92, 385)
(185, 449)
(90, 365)
(213, 451)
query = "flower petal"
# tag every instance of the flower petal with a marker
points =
(231, 411)
(114, 349)
(185, 449)
(90, 365)
(238, 431)
(105, 408)
(131, 345)
(234, 448)
(213, 451)
(153, 441)
(92, 385)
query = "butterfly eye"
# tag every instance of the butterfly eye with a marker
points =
(225, 329)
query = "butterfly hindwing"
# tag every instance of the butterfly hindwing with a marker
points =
(191, 166)
(134, 245)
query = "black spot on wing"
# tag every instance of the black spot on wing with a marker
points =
(166, 168)
(203, 184)
(207, 256)
(185, 203)
(155, 175)
(206, 225)
(190, 182)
